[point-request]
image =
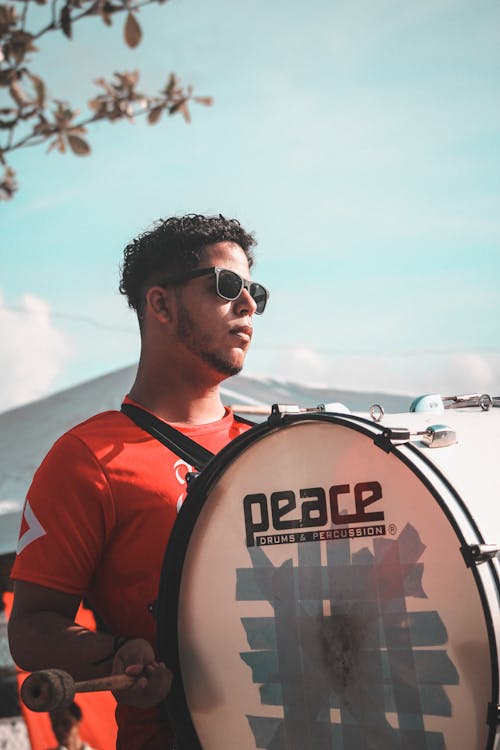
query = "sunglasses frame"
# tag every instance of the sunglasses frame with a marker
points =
(216, 270)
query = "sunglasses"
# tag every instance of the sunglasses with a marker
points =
(229, 285)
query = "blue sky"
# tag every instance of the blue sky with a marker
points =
(359, 139)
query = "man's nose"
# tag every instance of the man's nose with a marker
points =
(245, 303)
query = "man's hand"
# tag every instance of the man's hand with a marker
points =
(137, 659)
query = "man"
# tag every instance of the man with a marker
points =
(66, 727)
(102, 504)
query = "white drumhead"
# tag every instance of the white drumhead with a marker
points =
(325, 603)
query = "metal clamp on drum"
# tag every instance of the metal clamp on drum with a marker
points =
(476, 554)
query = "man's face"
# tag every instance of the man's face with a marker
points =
(216, 330)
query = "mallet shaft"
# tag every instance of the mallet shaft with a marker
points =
(113, 682)
(50, 689)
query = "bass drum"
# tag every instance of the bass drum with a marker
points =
(331, 584)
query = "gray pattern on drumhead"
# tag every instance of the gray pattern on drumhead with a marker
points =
(350, 666)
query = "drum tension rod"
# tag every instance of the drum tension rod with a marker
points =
(484, 400)
(475, 554)
(280, 410)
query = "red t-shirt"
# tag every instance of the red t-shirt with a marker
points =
(96, 522)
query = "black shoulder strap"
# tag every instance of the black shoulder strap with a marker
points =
(241, 419)
(180, 444)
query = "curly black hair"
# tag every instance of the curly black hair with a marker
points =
(173, 246)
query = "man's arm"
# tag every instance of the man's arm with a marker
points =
(43, 635)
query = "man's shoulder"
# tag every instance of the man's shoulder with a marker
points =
(99, 421)
(97, 429)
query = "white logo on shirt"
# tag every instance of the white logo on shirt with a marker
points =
(34, 531)
(181, 478)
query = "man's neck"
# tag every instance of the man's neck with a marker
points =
(178, 401)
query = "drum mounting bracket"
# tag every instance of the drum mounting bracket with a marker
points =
(390, 437)
(475, 554)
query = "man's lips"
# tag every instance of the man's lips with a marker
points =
(243, 332)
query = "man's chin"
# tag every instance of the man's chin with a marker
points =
(223, 366)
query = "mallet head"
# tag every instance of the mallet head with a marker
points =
(48, 690)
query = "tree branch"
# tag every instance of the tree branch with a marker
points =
(55, 24)
(28, 92)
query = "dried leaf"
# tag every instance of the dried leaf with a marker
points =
(132, 31)
(207, 101)
(20, 43)
(65, 20)
(8, 16)
(170, 85)
(176, 107)
(184, 110)
(127, 80)
(64, 114)
(8, 184)
(78, 145)
(182, 107)
(58, 143)
(39, 87)
(154, 115)
(18, 94)
(102, 82)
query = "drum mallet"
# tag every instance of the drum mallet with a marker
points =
(51, 689)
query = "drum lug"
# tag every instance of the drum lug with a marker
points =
(438, 436)
(493, 716)
(475, 554)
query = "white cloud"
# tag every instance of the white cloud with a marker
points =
(412, 374)
(32, 351)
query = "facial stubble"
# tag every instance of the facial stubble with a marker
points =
(199, 345)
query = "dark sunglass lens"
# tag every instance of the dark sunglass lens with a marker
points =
(259, 296)
(230, 284)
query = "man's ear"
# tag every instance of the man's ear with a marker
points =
(159, 303)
